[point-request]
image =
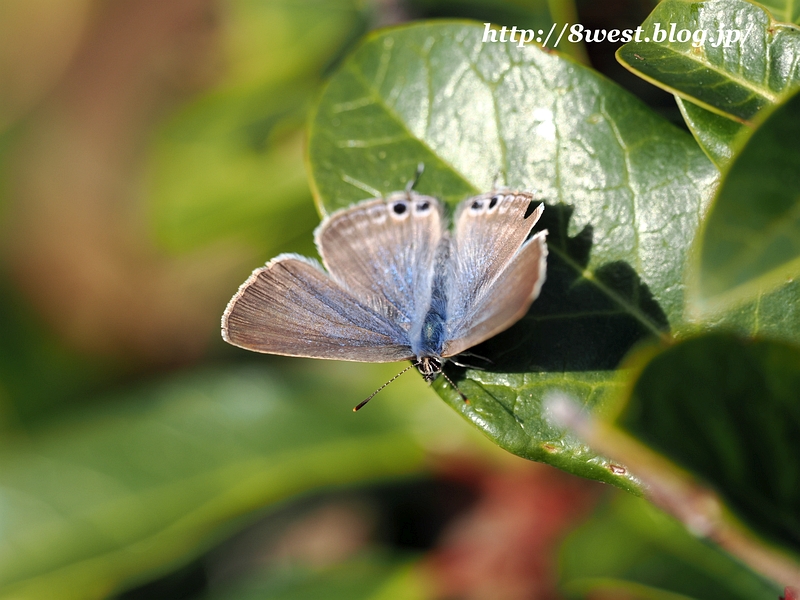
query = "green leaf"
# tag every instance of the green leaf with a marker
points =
(736, 81)
(775, 315)
(218, 170)
(266, 42)
(159, 474)
(230, 164)
(371, 578)
(715, 134)
(728, 410)
(629, 547)
(751, 240)
(787, 11)
(624, 192)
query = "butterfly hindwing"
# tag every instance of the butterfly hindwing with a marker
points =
(495, 274)
(506, 300)
(292, 307)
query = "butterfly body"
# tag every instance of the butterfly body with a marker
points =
(398, 282)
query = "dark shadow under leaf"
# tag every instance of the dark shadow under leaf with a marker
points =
(584, 320)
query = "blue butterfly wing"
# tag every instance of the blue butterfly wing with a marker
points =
(494, 273)
(292, 307)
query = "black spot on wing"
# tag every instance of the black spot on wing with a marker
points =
(531, 207)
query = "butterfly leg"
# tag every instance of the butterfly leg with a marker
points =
(471, 355)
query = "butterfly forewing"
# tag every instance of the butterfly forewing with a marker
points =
(292, 307)
(382, 251)
(494, 273)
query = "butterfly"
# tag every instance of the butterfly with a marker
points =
(397, 282)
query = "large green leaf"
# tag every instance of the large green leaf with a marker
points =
(751, 239)
(734, 81)
(728, 409)
(634, 550)
(624, 192)
(160, 473)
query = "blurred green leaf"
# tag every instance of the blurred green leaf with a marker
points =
(216, 173)
(40, 374)
(230, 164)
(734, 81)
(728, 410)
(160, 473)
(751, 240)
(632, 548)
(714, 133)
(624, 191)
(269, 41)
(786, 11)
(365, 579)
(539, 15)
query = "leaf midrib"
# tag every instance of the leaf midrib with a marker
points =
(613, 296)
(768, 97)
(379, 100)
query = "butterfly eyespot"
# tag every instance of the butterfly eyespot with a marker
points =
(377, 215)
(422, 207)
(399, 208)
(493, 202)
(477, 205)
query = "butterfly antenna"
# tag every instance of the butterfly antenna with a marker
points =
(361, 404)
(455, 387)
(410, 185)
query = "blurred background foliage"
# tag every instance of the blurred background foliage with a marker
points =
(151, 155)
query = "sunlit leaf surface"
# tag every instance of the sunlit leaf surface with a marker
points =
(744, 62)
